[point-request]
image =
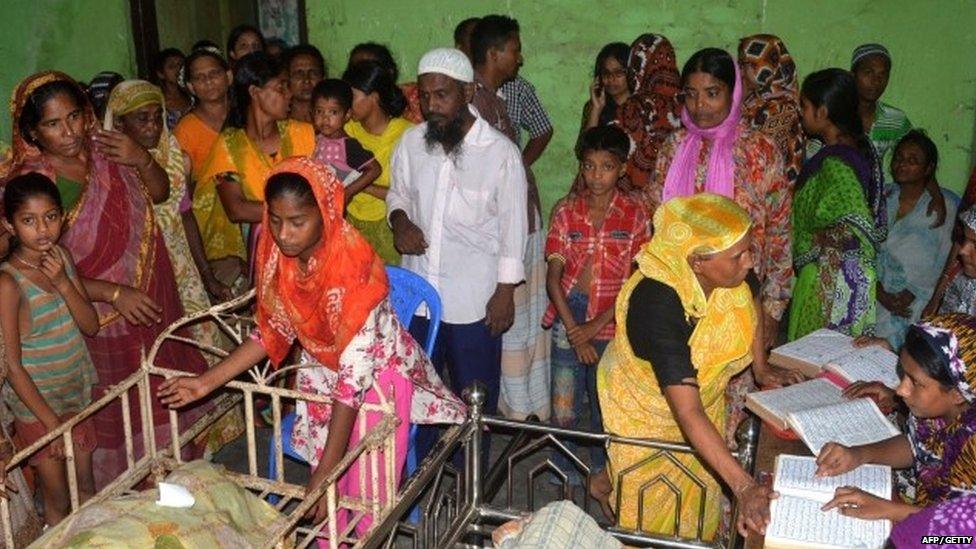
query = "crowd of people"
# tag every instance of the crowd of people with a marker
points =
(718, 210)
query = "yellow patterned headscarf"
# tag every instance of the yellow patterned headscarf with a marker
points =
(135, 94)
(699, 224)
(703, 223)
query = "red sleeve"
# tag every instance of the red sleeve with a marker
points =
(557, 241)
(641, 229)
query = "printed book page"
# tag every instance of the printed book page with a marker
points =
(851, 423)
(817, 348)
(780, 403)
(795, 476)
(799, 522)
(872, 363)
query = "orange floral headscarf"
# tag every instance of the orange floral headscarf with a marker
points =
(325, 306)
(651, 112)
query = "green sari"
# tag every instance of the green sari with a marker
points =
(834, 246)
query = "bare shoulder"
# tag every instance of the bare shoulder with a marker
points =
(8, 286)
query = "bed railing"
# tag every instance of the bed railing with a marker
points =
(457, 504)
(150, 455)
(457, 509)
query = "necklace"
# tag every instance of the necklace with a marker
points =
(27, 263)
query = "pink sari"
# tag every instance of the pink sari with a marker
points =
(111, 233)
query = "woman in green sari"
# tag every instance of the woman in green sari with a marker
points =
(835, 238)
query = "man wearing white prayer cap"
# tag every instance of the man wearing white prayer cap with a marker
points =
(449, 62)
(458, 212)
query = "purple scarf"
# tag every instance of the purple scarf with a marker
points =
(720, 177)
(955, 517)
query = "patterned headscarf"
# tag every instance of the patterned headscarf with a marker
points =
(325, 306)
(953, 337)
(726, 319)
(774, 104)
(651, 111)
(703, 223)
(773, 68)
(135, 94)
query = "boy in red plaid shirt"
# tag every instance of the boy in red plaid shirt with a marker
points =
(594, 234)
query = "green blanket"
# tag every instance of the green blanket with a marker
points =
(224, 515)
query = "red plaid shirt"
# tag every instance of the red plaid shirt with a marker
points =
(574, 241)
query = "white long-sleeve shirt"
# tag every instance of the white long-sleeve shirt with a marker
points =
(472, 211)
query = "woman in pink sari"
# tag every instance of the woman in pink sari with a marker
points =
(108, 184)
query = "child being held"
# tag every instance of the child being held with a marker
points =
(355, 166)
(44, 310)
(595, 232)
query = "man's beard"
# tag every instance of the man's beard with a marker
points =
(449, 135)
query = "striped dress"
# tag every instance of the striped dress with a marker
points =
(53, 353)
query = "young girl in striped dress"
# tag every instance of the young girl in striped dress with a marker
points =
(44, 310)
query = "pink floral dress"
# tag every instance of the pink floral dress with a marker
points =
(382, 350)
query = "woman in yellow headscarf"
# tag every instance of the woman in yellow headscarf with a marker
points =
(137, 108)
(257, 136)
(688, 322)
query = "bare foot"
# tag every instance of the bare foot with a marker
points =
(600, 488)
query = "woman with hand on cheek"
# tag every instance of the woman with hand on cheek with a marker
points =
(108, 184)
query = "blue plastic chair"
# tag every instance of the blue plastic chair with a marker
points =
(407, 292)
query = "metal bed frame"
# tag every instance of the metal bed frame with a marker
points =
(152, 461)
(459, 508)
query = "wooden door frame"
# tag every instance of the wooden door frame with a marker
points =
(145, 34)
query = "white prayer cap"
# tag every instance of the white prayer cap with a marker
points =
(448, 61)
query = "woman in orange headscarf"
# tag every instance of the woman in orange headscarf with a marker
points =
(650, 114)
(320, 284)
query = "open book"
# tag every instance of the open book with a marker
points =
(819, 414)
(796, 518)
(835, 352)
(775, 405)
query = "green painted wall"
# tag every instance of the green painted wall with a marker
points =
(79, 38)
(934, 78)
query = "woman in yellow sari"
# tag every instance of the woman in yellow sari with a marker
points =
(207, 76)
(690, 320)
(137, 108)
(257, 136)
(377, 123)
